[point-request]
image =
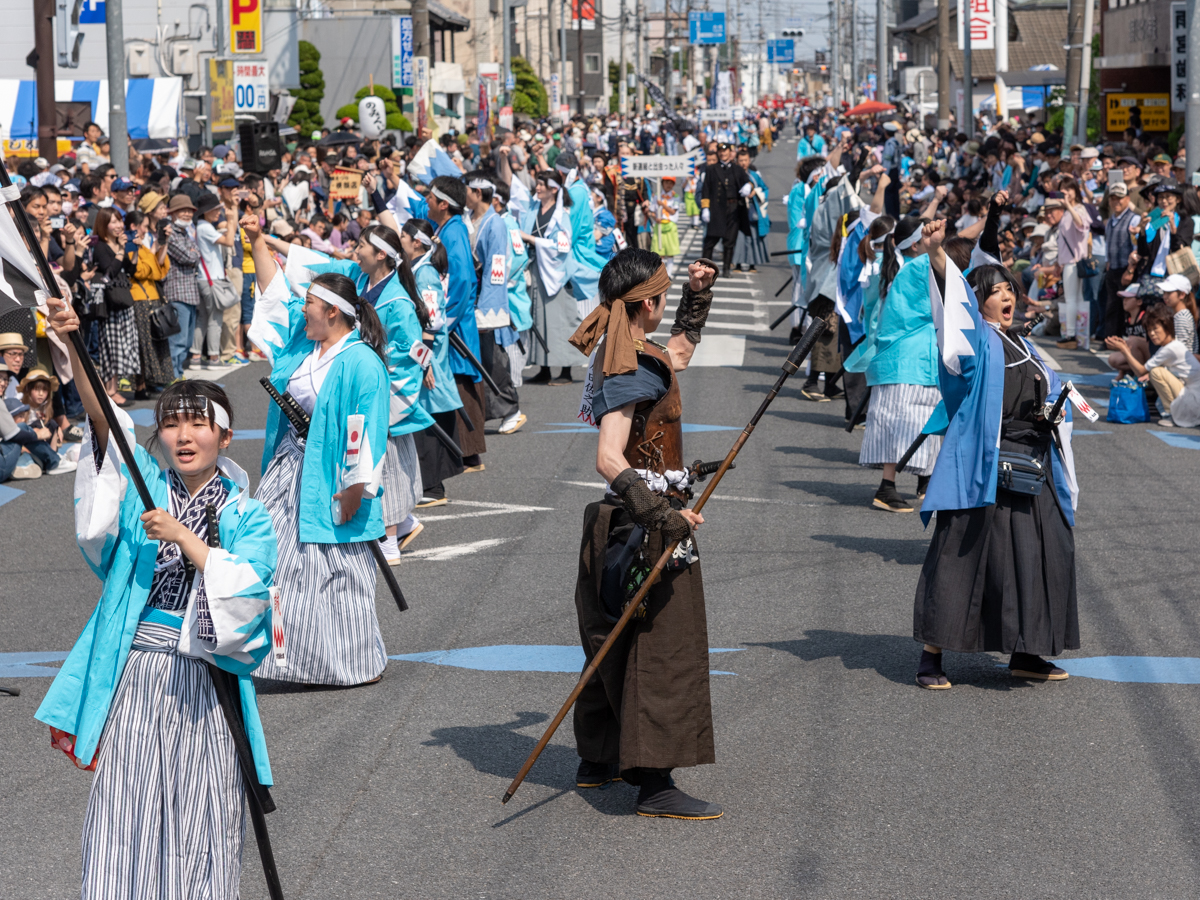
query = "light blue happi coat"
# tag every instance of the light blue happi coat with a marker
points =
(443, 396)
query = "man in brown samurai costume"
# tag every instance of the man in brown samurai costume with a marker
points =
(647, 710)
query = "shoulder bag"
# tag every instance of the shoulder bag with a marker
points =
(1088, 267)
(117, 293)
(224, 294)
(1183, 262)
(164, 322)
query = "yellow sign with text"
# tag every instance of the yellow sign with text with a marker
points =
(220, 93)
(1152, 110)
(245, 26)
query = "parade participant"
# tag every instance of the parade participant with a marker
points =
(808, 173)
(447, 199)
(903, 372)
(869, 258)
(328, 350)
(514, 339)
(383, 278)
(546, 226)
(1000, 572)
(751, 249)
(639, 721)
(664, 209)
(722, 205)
(493, 252)
(439, 394)
(587, 262)
(134, 700)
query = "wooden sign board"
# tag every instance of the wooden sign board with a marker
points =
(344, 184)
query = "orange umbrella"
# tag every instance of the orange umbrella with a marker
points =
(870, 107)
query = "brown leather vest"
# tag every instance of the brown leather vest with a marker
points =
(656, 438)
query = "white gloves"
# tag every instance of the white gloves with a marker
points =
(746, 189)
(705, 215)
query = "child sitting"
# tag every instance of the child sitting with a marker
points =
(37, 388)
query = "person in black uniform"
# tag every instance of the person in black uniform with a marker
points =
(722, 199)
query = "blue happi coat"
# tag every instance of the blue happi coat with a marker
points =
(460, 296)
(356, 385)
(519, 304)
(237, 580)
(443, 397)
(492, 250)
(971, 378)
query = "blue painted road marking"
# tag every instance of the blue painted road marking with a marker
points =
(24, 665)
(7, 494)
(1182, 441)
(519, 658)
(1101, 380)
(1141, 669)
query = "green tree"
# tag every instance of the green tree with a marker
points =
(530, 96)
(1058, 112)
(396, 120)
(306, 114)
(614, 79)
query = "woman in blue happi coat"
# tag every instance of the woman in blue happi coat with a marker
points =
(751, 249)
(134, 701)
(546, 227)
(1000, 572)
(384, 279)
(328, 350)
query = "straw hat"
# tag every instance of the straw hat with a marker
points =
(37, 373)
(11, 340)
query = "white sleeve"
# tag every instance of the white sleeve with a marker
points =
(100, 486)
(237, 600)
(270, 329)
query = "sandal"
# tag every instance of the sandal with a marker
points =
(929, 672)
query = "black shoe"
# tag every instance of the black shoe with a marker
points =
(929, 672)
(835, 395)
(659, 798)
(141, 394)
(542, 377)
(595, 775)
(889, 499)
(1026, 665)
(725, 272)
(922, 486)
(563, 377)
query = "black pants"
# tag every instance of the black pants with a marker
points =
(1114, 312)
(728, 242)
(495, 360)
(891, 194)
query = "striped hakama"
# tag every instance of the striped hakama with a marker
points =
(327, 591)
(165, 813)
(401, 479)
(895, 417)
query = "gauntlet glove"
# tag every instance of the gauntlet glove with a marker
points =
(652, 512)
(692, 312)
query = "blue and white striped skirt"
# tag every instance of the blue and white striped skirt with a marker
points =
(165, 814)
(895, 416)
(327, 591)
(401, 479)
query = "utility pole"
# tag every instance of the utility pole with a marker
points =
(835, 16)
(1074, 65)
(118, 131)
(1192, 115)
(637, 49)
(622, 79)
(1001, 58)
(881, 51)
(43, 49)
(1085, 74)
(506, 10)
(578, 23)
(968, 116)
(943, 66)
(854, 79)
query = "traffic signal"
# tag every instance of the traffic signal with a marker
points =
(68, 37)
(793, 32)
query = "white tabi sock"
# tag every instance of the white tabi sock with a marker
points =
(391, 547)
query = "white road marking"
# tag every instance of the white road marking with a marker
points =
(601, 484)
(454, 551)
(486, 512)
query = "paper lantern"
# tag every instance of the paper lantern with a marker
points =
(372, 117)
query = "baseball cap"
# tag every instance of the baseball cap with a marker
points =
(229, 183)
(1175, 282)
(122, 184)
(1128, 161)
(1052, 204)
(891, 127)
(1090, 153)
(1162, 158)
(1097, 166)
(1118, 189)
(1077, 148)
(1041, 231)
(281, 228)
(221, 151)
(1029, 222)
(15, 406)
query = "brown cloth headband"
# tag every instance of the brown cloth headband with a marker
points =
(611, 318)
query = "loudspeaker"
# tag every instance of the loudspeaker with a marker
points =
(261, 149)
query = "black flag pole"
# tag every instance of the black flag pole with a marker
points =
(257, 793)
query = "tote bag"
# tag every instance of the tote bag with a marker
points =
(1127, 402)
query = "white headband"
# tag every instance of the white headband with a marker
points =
(481, 184)
(912, 238)
(212, 411)
(383, 246)
(437, 193)
(554, 184)
(420, 237)
(324, 293)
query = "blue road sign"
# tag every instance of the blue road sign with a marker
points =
(781, 51)
(706, 27)
(91, 12)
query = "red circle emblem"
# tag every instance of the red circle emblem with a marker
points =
(353, 436)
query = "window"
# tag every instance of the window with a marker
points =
(591, 63)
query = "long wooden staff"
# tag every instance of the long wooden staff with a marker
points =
(797, 356)
(258, 796)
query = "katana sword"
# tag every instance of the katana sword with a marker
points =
(120, 441)
(465, 352)
(908, 454)
(790, 367)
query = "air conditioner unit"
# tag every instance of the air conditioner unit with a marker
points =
(183, 58)
(138, 60)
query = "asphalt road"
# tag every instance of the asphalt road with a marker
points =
(840, 778)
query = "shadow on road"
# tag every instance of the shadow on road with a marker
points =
(499, 750)
(895, 658)
(842, 455)
(907, 552)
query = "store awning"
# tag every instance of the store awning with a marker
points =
(152, 105)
